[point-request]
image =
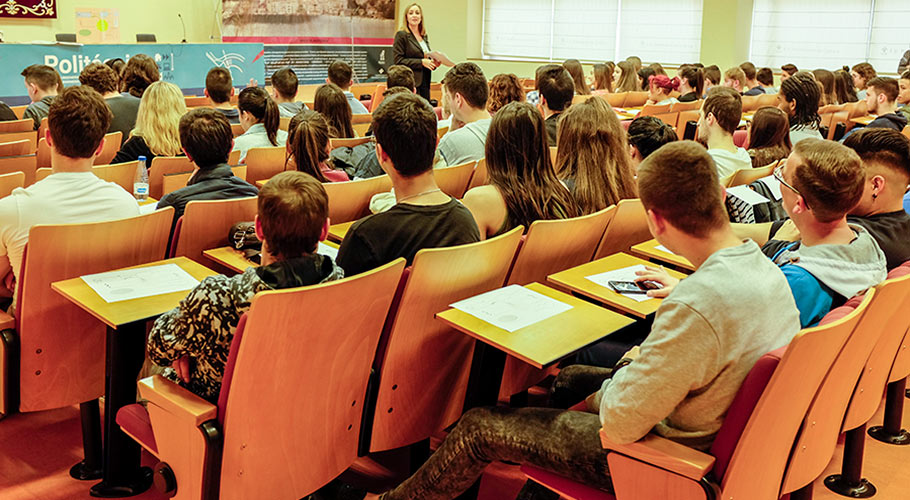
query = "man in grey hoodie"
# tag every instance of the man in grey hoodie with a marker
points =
(706, 337)
(833, 260)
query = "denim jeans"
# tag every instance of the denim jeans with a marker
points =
(561, 441)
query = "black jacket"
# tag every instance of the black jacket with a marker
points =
(6, 113)
(215, 183)
(407, 51)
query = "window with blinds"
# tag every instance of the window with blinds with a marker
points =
(830, 33)
(592, 30)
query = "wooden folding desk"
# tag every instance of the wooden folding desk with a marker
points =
(539, 344)
(649, 250)
(234, 260)
(338, 231)
(126, 320)
(864, 120)
(576, 280)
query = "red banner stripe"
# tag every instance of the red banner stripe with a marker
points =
(307, 40)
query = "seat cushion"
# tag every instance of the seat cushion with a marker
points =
(565, 486)
(134, 420)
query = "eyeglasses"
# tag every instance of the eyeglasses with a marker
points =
(779, 175)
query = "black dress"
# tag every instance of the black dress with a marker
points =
(407, 51)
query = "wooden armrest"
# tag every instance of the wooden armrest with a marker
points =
(176, 400)
(665, 454)
(7, 322)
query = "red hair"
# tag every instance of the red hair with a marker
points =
(664, 82)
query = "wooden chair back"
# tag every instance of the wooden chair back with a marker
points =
(173, 182)
(29, 136)
(838, 117)
(351, 200)
(11, 181)
(745, 176)
(19, 111)
(554, 152)
(423, 363)
(759, 461)
(265, 163)
(655, 109)
(237, 129)
(906, 131)
(480, 177)
(767, 100)
(234, 157)
(441, 132)
(122, 174)
(684, 118)
(822, 425)
(284, 122)
(635, 99)
(42, 173)
(61, 345)
(350, 143)
(750, 103)
(360, 129)
(670, 119)
(679, 107)
(360, 118)
(44, 153)
(628, 227)
(166, 165)
(454, 180)
(377, 97)
(110, 148)
(901, 367)
(24, 125)
(15, 148)
(196, 102)
(205, 225)
(857, 109)
(25, 164)
(42, 129)
(269, 420)
(616, 100)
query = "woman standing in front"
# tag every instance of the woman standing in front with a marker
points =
(411, 48)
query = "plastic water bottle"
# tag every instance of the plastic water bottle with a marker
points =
(141, 181)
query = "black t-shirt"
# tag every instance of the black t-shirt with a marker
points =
(402, 231)
(890, 230)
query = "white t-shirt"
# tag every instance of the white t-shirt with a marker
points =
(798, 134)
(257, 137)
(61, 198)
(728, 163)
(465, 144)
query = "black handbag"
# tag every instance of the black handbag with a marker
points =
(242, 236)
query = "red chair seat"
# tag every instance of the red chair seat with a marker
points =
(739, 138)
(134, 420)
(564, 486)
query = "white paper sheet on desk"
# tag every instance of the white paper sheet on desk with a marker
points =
(663, 249)
(117, 286)
(747, 195)
(511, 308)
(327, 250)
(147, 208)
(773, 185)
(624, 274)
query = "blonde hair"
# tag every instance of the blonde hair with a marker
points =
(404, 20)
(158, 119)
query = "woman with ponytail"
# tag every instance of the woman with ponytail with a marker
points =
(659, 89)
(259, 117)
(308, 147)
(691, 83)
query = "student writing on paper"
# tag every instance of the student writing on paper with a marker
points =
(195, 337)
(705, 338)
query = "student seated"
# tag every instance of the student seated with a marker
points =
(765, 78)
(712, 78)
(42, 85)
(798, 97)
(593, 157)
(603, 78)
(331, 102)
(843, 86)
(659, 89)
(720, 116)
(751, 80)
(157, 130)
(903, 97)
(644, 75)
(646, 135)
(573, 66)
(691, 83)
(140, 72)
(466, 93)
(523, 185)
(308, 147)
(260, 122)
(829, 93)
(78, 120)
(424, 216)
(832, 259)
(556, 93)
(206, 137)
(219, 89)
(787, 70)
(628, 77)
(504, 88)
(367, 165)
(341, 74)
(735, 79)
(399, 75)
(284, 92)
(195, 337)
(881, 101)
(862, 73)
(705, 338)
(123, 106)
(769, 136)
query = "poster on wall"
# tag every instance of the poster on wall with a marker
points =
(97, 25)
(308, 35)
(21, 9)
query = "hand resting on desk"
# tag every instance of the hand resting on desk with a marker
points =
(660, 275)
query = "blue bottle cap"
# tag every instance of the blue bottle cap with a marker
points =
(142, 158)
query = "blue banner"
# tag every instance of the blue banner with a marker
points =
(184, 64)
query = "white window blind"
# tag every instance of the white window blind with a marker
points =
(665, 31)
(592, 30)
(830, 33)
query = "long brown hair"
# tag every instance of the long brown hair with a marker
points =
(603, 77)
(826, 78)
(404, 20)
(769, 136)
(578, 76)
(257, 102)
(518, 161)
(308, 139)
(331, 102)
(594, 153)
(628, 77)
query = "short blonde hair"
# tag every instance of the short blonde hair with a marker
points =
(736, 73)
(158, 119)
